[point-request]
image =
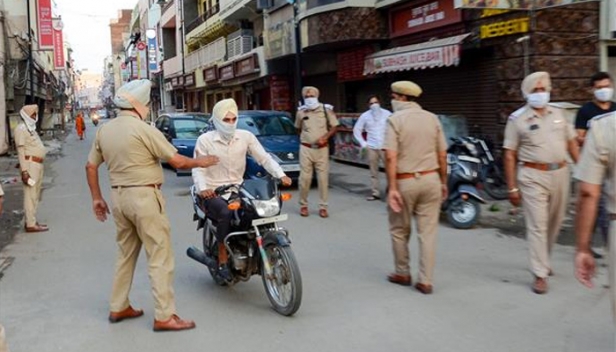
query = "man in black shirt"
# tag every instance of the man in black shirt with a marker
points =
(603, 91)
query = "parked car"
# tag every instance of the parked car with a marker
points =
(276, 132)
(182, 130)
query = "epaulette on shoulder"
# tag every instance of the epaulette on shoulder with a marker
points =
(514, 115)
(302, 108)
(329, 107)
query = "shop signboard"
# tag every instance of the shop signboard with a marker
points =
(418, 17)
(514, 4)
(500, 29)
(210, 74)
(226, 72)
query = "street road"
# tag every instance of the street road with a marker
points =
(54, 296)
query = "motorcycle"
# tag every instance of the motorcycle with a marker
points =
(491, 176)
(256, 245)
(462, 204)
(95, 119)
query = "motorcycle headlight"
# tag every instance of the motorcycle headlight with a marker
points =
(266, 208)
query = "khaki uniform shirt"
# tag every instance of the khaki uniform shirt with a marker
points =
(417, 137)
(315, 123)
(132, 150)
(28, 144)
(598, 160)
(539, 139)
(232, 156)
(1, 192)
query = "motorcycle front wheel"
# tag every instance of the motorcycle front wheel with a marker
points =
(463, 214)
(284, 287)
(494, 183)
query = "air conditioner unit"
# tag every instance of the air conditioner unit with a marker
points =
(265, 4)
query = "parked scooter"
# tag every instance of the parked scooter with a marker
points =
(256, 244)
(462, 204)
(491, 175)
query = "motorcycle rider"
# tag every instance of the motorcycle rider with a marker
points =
(230, 146)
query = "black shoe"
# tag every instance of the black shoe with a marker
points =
(371, 198)
(224, 272)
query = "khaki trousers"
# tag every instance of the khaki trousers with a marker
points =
(544, 199)
(140, 218)
(3, 345)
(422, 200)
(312, 160)
(32, 194)
(374, 155)
(612, 266)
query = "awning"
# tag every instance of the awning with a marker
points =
(435, 53)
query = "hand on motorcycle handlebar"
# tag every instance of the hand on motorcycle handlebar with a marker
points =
(208, 194)
(515, 198)
(286, 181)
(395, 201)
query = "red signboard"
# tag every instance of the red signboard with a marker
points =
(210, 74)
(419, 17)
(246, 66)
(58, 47)
(226, 72)
(45, 24)
(280, 93)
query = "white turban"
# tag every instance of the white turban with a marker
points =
(221, 109)
(26, 115)
(134, 95)
(531, 81)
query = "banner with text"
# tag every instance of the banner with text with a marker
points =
(514, 4)
(59, 62)
(45, 24)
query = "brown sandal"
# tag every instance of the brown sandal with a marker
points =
(303, 211)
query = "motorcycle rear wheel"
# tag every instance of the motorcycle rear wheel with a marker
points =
(284, 289)
(494, 183)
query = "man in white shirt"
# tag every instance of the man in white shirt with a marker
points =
(373, 122)
(230, 146)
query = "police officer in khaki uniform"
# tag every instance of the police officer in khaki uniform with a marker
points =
(31, 153)
(132, 149)
(316, 123)
(416, 165)
(597, 164)
(537, 140)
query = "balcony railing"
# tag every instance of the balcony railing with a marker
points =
(207, 55)
(201, 19)
(172, 66)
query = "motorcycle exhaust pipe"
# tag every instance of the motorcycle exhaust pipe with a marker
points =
(199, 256)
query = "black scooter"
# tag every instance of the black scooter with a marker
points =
(463, 172)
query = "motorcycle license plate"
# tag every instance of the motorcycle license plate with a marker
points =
(258, 222)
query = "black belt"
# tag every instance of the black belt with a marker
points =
(152, 185)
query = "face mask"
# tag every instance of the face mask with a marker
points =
(375, 108)
(604, 94)
(397, 105)
(311, 103)
(226, 130)
(538, 100)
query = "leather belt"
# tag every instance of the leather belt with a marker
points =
(36, 159)
(413, 174)
(545, 166)
(153, 185)
(313, 146)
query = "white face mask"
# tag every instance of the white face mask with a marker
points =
(226, 130)
(375, 108)
(397, 105)
(311, 103)
(604, 94)
(538, 100)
